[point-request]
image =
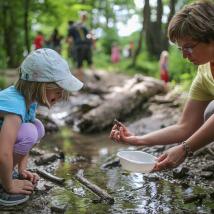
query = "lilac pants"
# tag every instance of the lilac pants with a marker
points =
(28, 135)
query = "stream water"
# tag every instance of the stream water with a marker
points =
(133, 192)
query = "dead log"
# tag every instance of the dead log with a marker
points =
(50, 177)
(120, 103)
(94, 188)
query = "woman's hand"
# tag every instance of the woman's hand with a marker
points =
(20, 187)
(120, 133)
(33, 177)
(171, 158)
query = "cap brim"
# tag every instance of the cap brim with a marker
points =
(70, 84)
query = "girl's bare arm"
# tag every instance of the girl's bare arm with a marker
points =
(8, 135)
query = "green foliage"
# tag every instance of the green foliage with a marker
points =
(179, 68)
(110, 36)
(3, 83)
(145, 65)
(45, 15)
(3, 60)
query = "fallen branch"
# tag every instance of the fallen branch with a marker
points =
(210, 151)
(46, 159)
(50, 177)
(94, 188)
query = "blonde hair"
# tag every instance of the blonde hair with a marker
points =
(195, 20)
(36, 91)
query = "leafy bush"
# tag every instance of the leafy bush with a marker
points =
(108, 39)
(3, 83)
(180, 69)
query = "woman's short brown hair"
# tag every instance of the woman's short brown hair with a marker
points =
(36, 91)
(195, 20)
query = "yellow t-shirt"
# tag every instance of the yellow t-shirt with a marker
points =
(202, 87)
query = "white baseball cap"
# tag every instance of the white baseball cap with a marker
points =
(46, 65)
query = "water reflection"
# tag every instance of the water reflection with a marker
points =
(133, 192)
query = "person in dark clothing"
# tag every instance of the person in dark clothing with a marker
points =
(69, 39)
(55, 41)
(82, 41)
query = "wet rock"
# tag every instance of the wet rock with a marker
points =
(58, 207)
(94, 89)
(205, 150)
(48, 186)
(194, 198)
(210, 168)
(151, 178)
(160, 99)
(51, 127)
(79, 191)
(180, 172)
(206, 174)
(212, 195)
(185, 185)
(76, 159)
(111, 164)
(37, 152)
(209, 157)
(49, 124)
(40, 186)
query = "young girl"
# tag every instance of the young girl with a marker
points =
(45, 78)
(164, 73)
(115, 53)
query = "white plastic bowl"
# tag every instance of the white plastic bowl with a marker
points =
(137, 161)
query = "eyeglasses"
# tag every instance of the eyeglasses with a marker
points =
(188, 50)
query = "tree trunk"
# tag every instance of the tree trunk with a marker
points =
(138, 49)
(154, 33)
(171, 14)
(8, 31)
(26, 27)
(145, 26)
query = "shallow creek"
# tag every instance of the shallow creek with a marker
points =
(133, 192)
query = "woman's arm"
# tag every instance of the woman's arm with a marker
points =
(191, 120)
(177, 154)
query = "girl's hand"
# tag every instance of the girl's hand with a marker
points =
(170, 159)
(33, 177)
(120, 133)
(20, 187)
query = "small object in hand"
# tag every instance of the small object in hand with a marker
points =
(116, 122)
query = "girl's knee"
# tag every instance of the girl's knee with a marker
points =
(40, 128)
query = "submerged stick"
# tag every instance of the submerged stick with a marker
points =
(95, 189)
(50, 177)
(46, 159)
